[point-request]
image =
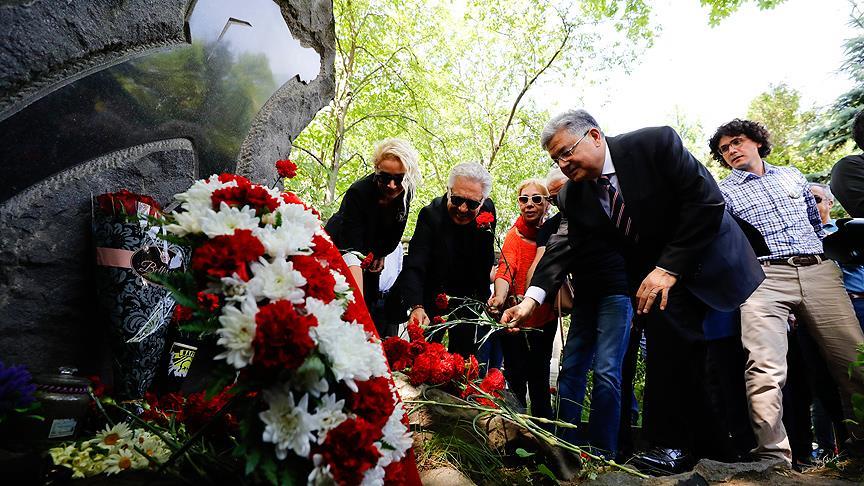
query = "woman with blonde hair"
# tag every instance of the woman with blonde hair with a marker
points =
(526, 354)
(373, 213)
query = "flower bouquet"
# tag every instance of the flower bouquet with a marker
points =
(128, 252)
(312, 391)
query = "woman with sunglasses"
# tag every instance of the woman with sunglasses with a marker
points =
(373, 213)
(526, 355)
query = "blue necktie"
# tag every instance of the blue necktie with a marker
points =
(616, 210)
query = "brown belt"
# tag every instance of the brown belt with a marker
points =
(797, 260)
(856, 295)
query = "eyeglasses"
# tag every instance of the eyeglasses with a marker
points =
(567, 153)
(735, 142)
(536, 199)
(459, 201)
(818, 199)
(553, 199)
(384, 178)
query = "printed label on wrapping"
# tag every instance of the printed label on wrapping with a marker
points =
(62, 428)
(180, 359)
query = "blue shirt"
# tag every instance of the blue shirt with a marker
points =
(780, 206)
(853, 275)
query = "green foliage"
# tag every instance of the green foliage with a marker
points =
(456, 80)
(720, 9)
(835, 130)
(857, 398)
(779, 109)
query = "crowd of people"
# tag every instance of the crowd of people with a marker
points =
(748, 330)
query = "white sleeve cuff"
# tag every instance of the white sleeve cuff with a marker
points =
(351, 259)
(536, 293)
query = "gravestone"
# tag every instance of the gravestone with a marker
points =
(146, 95)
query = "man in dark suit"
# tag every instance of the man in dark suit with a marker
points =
(451, 253)
(684, 255)
(847, 175)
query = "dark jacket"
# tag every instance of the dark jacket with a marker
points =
(362, 225)
(847, 184)
(446, 257)
(678, 213)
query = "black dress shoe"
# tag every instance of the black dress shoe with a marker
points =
(663, 461)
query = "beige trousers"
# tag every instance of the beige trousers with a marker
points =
(815, 294)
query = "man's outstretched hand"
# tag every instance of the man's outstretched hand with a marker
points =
(519, 313)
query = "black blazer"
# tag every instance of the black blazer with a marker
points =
(362, 225)
(678, 212)
(446, 257)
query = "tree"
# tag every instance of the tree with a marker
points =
(835, 131)
(779, 109)
(720, 9)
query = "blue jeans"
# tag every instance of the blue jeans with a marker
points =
(491, 354)
(858, 305)
(599, 332)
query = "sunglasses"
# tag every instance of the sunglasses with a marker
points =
(818, 199)
(384, 178)
(553, 199)
(536, 199)
(459, 201)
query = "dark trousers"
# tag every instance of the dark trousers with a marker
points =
(727, 396)
(526, 366)
(676, 404)
(629, 414)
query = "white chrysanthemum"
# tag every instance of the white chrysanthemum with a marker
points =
(294, 235)
(320, 475)
(396, 440)
(276, 281)
(120, 460)
(373, 476)
(237, 333)
(342, 287)
(330, 414)
(227, 219)
(234, 288)
(310, 382)
(199, 196)
(112, 436)
(289, 426)
(188, 222)
(325, 313)
(349, 352)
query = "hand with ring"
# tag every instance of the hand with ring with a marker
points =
(658, 282)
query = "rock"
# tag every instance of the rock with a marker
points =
(617, 478)
(689, 478)
(444, 476)
(714, 471)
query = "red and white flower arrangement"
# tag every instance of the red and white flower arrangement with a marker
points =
(269, 283)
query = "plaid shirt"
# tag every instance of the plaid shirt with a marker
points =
(780, 206)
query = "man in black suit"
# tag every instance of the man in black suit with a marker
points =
(451, 253)
(847, 175)
(684, 252)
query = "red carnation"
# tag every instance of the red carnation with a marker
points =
(485, 219)
(182, 313)
(435, 366)
(439, 320)
(226, 177)
(255, 197)
(350, 451)
(320, 283)
(493, 382)
(225, 255)
(207, 301)
(282, 336)
(442, 301)
(415, 333)
(286, 168)
(367, 261)
(373, 401)
(398, 353)
(394, 474)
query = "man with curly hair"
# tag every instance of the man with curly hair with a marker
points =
(778, 203)
(847, 176)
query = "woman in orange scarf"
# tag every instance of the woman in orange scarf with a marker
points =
(526, 354)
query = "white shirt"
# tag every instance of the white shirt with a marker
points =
(539, 294)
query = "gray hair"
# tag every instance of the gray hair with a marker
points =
(576, 122)
(554, 174)
(473, 171)
(824, 187)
